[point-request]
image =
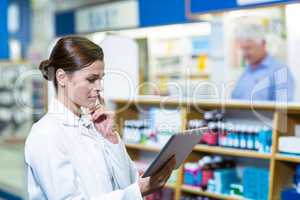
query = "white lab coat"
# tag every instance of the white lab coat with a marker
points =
(67, 159)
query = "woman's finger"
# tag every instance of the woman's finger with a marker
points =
(167, 176)
(162, 176)
(102, 111)
(171, 163)
(95, 108)
(98, 113)
(169, 166)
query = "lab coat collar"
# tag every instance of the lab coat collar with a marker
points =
(67, 117)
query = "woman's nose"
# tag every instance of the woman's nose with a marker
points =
(98, 86)
(98, 89)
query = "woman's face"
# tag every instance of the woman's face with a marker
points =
(84, 86)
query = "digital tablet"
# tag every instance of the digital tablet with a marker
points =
(179, 145)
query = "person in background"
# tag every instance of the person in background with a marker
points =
(72, 154)
(265, 78)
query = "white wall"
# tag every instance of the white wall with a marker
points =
(293, 43)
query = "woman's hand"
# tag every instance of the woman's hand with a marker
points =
(104, 123)
(156, 182)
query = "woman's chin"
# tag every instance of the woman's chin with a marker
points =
(89, 104)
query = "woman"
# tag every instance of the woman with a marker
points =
(71, 155)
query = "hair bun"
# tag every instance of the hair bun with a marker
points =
(46, 69)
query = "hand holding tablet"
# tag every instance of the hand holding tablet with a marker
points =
(180, 146)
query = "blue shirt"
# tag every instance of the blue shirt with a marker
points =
(269, 81)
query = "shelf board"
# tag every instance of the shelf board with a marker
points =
(142, 147)
(192, 77)
(209, 149)
(198, 76)
(170, 186)
(198, 191)
(287, 157)
(231, 151)
(14, 140)
(210, 104)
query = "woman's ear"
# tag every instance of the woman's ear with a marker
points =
(61, 77)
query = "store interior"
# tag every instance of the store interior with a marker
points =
(170, 66)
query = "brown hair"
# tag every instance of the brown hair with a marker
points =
(70, 53)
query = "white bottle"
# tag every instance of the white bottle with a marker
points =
(243, 137)
(250, 141)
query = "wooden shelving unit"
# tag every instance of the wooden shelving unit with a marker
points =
(197, 191)
(287, 158)
(284, 119)
(212, 150)
(170, 186)
(231, 152)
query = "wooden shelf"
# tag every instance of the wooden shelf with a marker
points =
(198, 191)
(287, 157)
(170, 186)
(291, 107)
(281, 166)
(198, 77)
(15, 140)
(231, 151)
(209, 149)
(142, 147)
(192, 77)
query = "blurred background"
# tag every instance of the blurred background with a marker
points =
(179, 49)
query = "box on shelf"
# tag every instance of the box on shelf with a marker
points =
(289, 144)
(256, 183)
(238, 134)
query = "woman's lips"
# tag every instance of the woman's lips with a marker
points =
(93, 98)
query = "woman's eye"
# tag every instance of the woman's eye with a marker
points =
(91, 80)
